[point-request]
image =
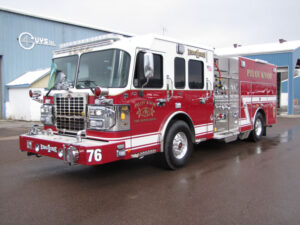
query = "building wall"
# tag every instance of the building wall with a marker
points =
(42, 83)
(21, 107)
(16, 60)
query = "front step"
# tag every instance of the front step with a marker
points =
(227, 136)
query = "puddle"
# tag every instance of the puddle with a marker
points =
(289, 135)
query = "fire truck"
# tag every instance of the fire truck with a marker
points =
(116, 98)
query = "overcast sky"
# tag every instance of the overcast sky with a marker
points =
(218, 23)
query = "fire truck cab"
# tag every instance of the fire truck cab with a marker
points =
(112, 98)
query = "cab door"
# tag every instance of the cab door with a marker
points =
(199, 97)
(146, 113)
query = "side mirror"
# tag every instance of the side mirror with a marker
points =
(36, 96)
(61, 81)
(61, 77)
(148, 65)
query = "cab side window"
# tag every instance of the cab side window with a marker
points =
(139, 76)
(196, 74)
(179, 73)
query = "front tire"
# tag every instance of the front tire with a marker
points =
(178, 145)
(259, 126)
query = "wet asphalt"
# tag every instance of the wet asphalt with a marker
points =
(236, 183)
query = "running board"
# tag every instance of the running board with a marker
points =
(227, 137)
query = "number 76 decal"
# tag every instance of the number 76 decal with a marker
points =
(96, 154)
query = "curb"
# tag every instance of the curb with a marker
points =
(289, 116)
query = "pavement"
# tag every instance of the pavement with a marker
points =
(236, 183)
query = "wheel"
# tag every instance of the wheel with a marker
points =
(178, 145)
(258, 130)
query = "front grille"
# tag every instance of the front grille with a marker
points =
(70, 113)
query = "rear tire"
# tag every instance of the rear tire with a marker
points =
(178, 145)
(259, 126)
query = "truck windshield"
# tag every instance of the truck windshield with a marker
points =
(107, 68)
(65, 65)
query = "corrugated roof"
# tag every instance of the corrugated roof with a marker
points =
(288, 46)
(29, 78)
(64, 21)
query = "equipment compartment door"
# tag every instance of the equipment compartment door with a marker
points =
(221, 107)
(233, 118)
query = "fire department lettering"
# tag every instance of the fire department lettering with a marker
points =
(196, 53)
(145, 112)
(48, 148)
(145, 109)
(259, 74)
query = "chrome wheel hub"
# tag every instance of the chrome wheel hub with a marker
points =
(180, 145)
(258, 127)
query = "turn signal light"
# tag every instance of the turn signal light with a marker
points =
(123, 116)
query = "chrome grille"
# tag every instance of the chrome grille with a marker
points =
(70, 113)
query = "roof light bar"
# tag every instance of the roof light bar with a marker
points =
(101, 38)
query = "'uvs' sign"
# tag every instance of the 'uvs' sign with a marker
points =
(28, 41)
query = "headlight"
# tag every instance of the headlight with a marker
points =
(101, 118)
(60, 152)
(72, 155)
(113, 118)
(47, 114)
(37, 148)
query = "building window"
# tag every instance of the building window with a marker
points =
(196, 74)
(139, 77)
(179, 72)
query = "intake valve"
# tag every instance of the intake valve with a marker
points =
(219, 84)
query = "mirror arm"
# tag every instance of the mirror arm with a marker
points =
(38, 100)
(145, 84)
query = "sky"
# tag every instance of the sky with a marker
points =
(217, 23)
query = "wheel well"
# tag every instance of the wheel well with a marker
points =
(186, 119)
(262, 112)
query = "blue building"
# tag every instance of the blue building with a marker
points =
(27, 42)
(284, 54)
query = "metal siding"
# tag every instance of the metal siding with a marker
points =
(279, 59)
(17, 60)
(284, 86)
(296, 56)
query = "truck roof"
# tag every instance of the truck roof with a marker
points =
(144, 41)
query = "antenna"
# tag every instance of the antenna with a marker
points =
(164, 30)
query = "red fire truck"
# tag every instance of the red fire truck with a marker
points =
(113, 98)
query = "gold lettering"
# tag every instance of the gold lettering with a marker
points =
(196, 53)
(259, 74)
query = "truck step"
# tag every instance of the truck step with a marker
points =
(227, 136)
